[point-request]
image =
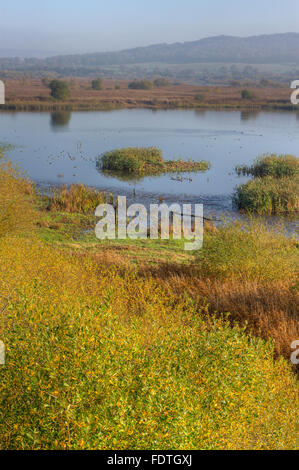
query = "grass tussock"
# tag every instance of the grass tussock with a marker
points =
(274, 165)
(99, 357)
(77, 198)
(147, 161)
(274, 189)
(268, 195)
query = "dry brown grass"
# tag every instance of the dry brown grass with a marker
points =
(270, 309)
(78, 199)
(20, 93)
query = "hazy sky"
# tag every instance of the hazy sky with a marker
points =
(69, 26)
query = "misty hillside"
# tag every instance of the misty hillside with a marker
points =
(276, 48)
(280, 50)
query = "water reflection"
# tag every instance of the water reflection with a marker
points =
(121, 176)
(249, 115)
(200, 112)
(60, 120)
(52, 144)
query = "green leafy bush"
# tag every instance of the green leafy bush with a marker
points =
(248, 251)
(97, 84)
(160, 82)
(60, 90)
(141, 85)
(247, 95)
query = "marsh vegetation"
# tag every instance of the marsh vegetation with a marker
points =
(274, 165)
(109, 343)
(141, 161)
(34, 94)
(274, 188)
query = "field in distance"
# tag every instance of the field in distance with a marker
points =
(26, 94)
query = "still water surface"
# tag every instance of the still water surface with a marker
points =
(58, 148)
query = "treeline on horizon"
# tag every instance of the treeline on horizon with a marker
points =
(201, 74)
(220, 57)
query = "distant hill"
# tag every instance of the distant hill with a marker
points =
(23, 53)
(265, 49)
(168, 60)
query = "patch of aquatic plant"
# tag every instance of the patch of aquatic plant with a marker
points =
(268, 195)
(77, 198)
(5, 147)
(271, 165)
(146, 161)
(275, 187)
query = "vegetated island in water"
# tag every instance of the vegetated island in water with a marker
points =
(274, 188)
(5, 147)
(145, 161)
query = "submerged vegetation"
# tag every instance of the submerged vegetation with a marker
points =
(274, 188)
(103, 352)
(146, 162)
